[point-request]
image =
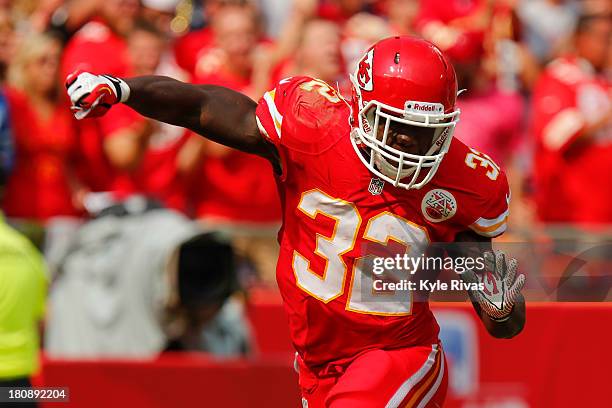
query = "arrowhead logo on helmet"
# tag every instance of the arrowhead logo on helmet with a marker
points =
(364, 72)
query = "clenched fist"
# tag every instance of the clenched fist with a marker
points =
(93, 95)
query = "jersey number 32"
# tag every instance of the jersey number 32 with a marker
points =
(380, 228)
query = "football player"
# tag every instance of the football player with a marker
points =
(379, 170)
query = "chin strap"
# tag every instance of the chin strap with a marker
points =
(390, 170)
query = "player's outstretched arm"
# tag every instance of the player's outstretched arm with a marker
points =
(220, 114)
(500, 306)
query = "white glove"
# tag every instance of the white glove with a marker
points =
(93, 95)
(501, 285)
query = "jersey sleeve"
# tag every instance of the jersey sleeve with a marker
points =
(274, 106)
(303, 115)
(492, 222)
(269, 119)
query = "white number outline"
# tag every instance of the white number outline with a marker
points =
(368, 236)
(324, 89)
(330, 239)
(485, 161)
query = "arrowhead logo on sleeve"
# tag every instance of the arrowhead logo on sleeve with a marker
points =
(438, 205)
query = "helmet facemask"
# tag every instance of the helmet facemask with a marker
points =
(406, 170)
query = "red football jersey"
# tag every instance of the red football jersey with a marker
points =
(188, 48)
(336, 213)
(568, 97)
(236, 187)
(39, 187)
(96, 48)
(158, 175)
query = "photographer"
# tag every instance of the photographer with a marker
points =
(135, 281)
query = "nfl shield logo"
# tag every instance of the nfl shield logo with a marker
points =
(376, 186)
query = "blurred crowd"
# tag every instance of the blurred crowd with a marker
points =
(535, 75)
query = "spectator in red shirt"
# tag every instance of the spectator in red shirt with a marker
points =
(112, 145)
(100, 45)
(491, 117)
(468, 30)
(162, 15)
(169, 160)
(396, 17)
(190, 47)
(573, 129)
(42, 184)
(229, 59)
(307, 46)
(493, 122)
(456, 26)
(318, 53)
(237, 191)
(359, 33)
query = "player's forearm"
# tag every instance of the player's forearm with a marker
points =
(508, 328)
(219, 114)
(167, 100)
